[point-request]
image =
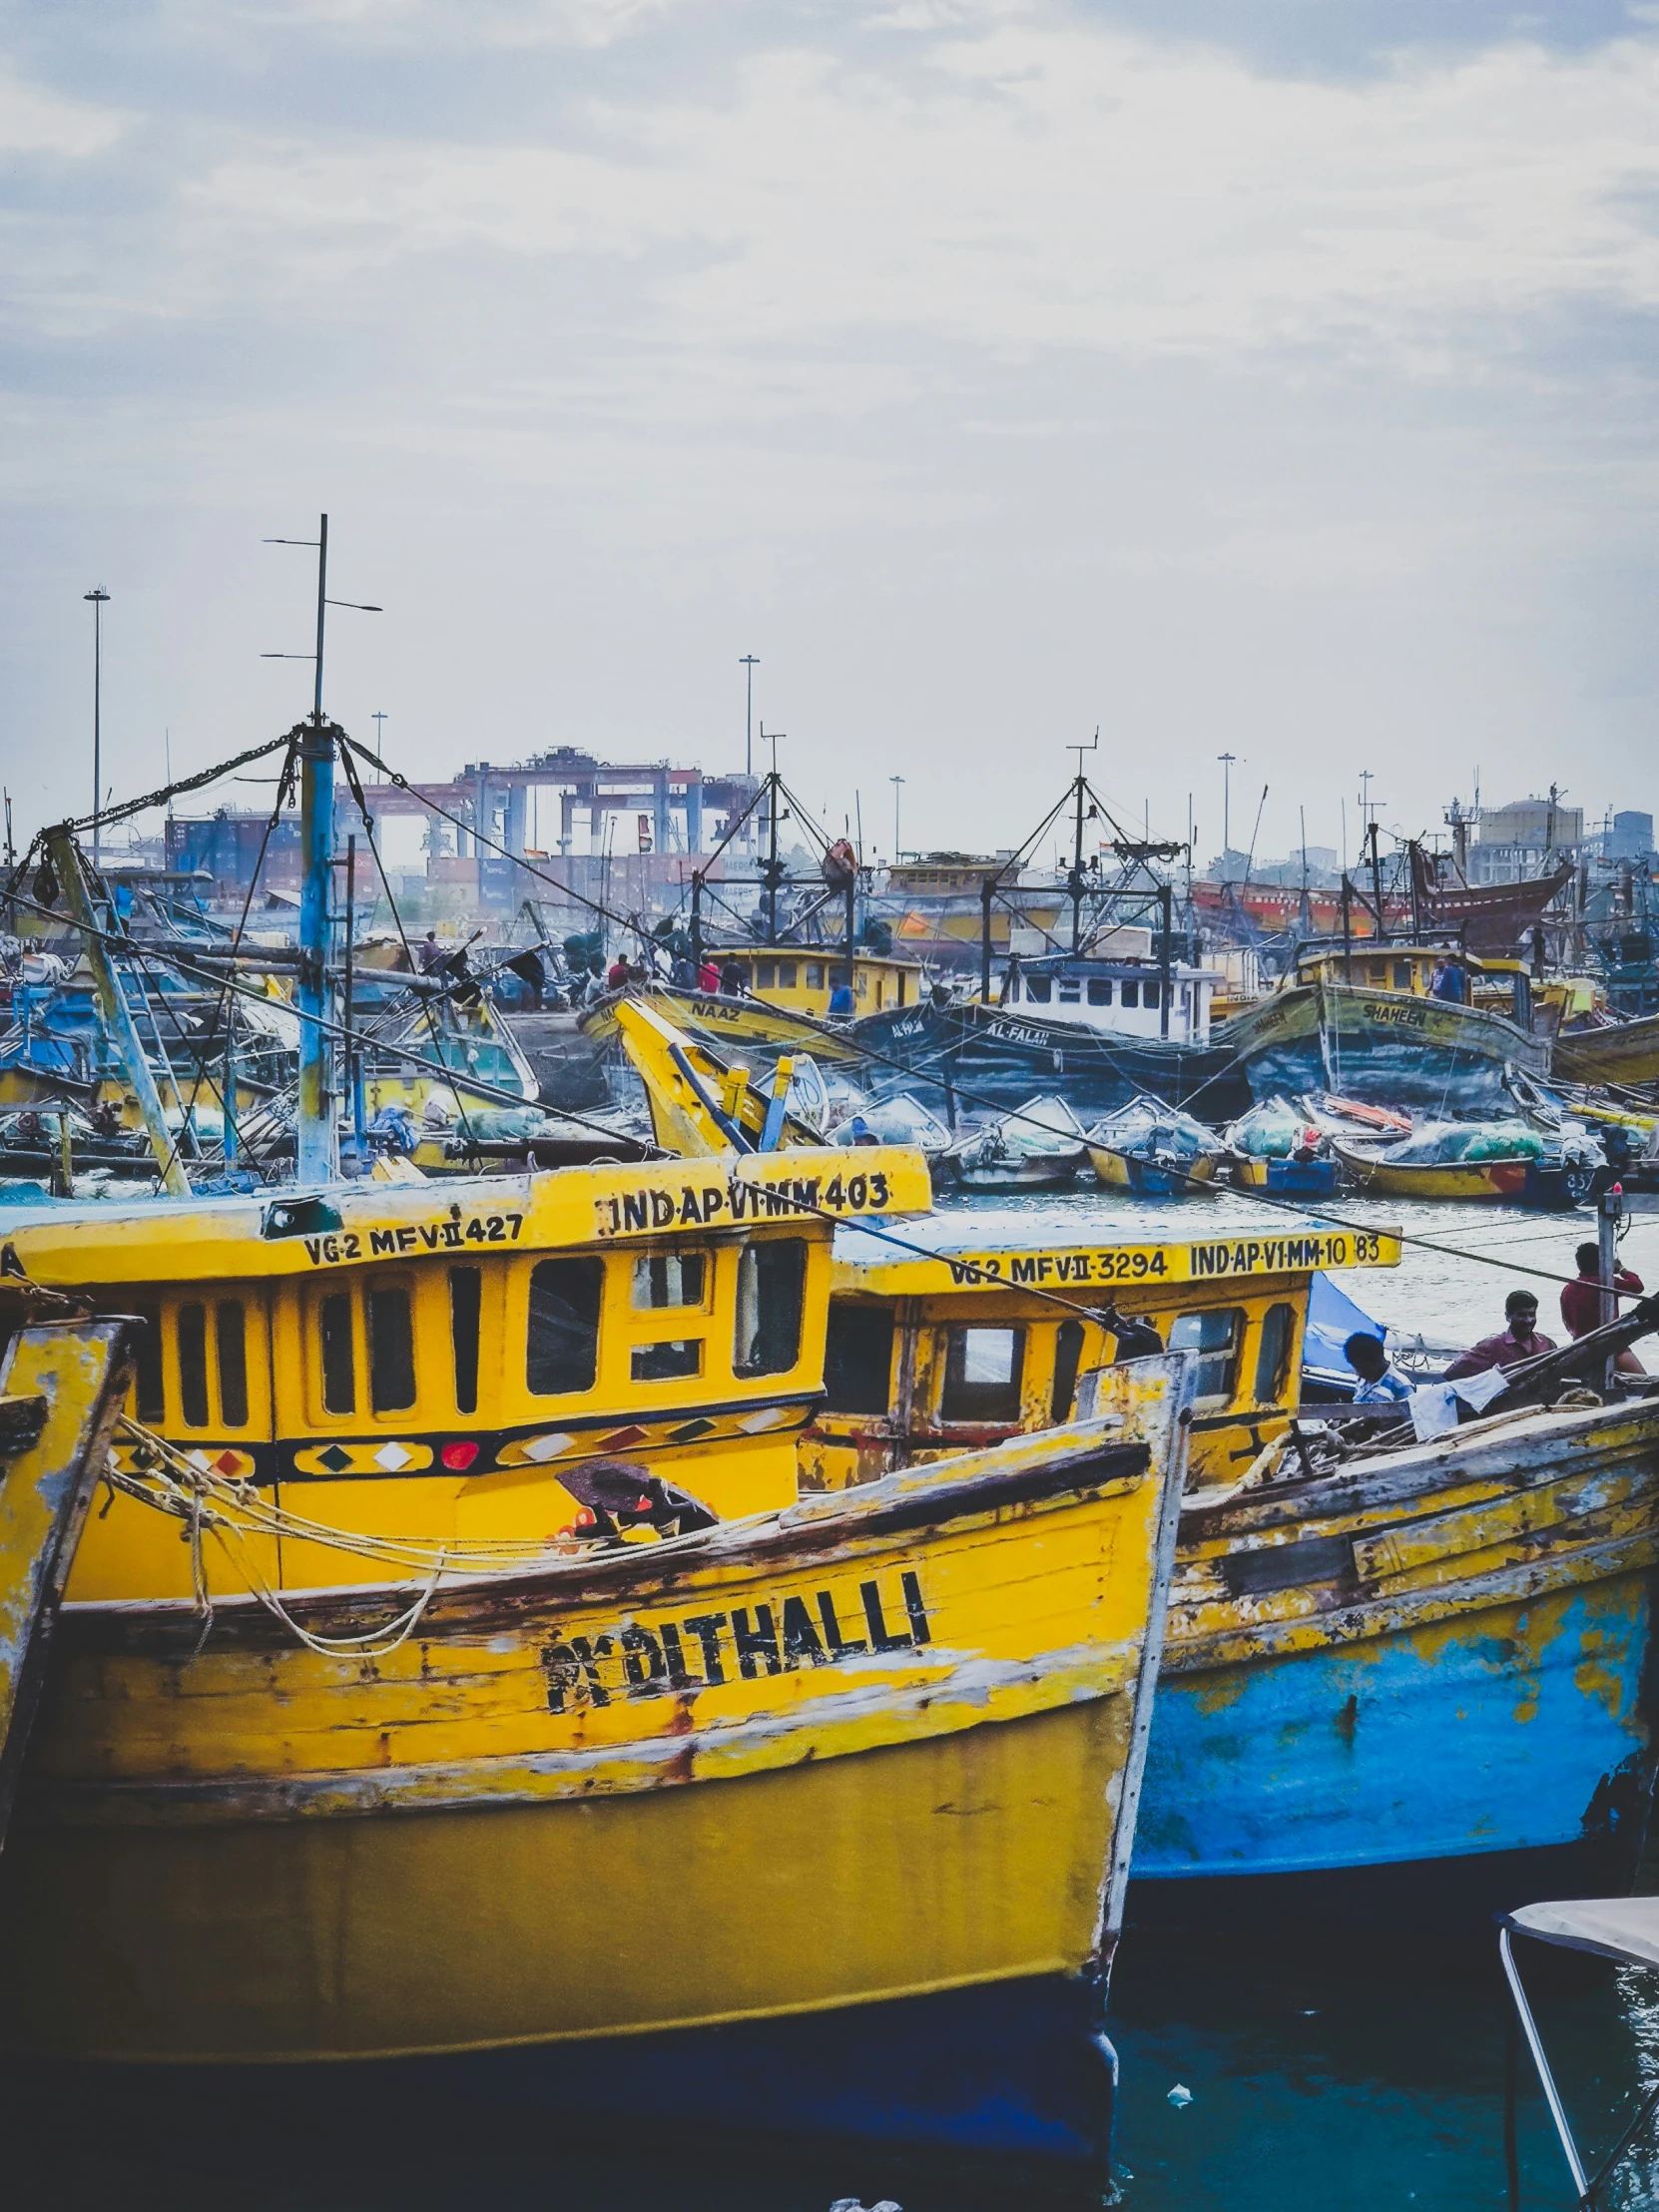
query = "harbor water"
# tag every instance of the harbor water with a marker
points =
(1351, 2075)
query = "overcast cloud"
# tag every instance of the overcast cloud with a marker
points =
(992, 371)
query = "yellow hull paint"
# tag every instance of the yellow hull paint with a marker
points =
(881, 1743)
(1464, 1180)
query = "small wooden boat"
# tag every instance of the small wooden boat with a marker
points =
(1276, 1148)
(902, 1120)
(870, 1754)
(1155, 1150)
(1041, 1146)
(1475, 1164)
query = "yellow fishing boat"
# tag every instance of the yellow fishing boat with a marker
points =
(455, 1607)
(983, 1328)
(730, 1021)
(1371, 1171)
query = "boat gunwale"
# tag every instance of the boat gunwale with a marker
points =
(1381, 1482)
(1366, 1612)
(838, 1525)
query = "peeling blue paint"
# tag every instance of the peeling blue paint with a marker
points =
(1522, 1729)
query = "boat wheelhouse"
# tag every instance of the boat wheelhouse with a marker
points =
(1132, 998)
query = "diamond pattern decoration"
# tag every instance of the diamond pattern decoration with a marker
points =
(620, 1438)
(199, 1461)
(690, 1430)
(335, 1460)
(545, 1447)
(228, 1463)
(391, 1457)
(768, 1418)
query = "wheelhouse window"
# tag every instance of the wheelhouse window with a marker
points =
(149, 1382)
(766, 976)
(391, 1368)
(562, 1342)
(1069, 1353)
(1149, 993)
(193, 1365)
(1215, 1338)
(1100, 990)
(772, 1285)
(858, 1358)
(1071, 990)
(668, 1278)
(982, 1370)
(339, 1354)
(1272, 1354)
(1131, 992)
(1402, 975)
(231, 1341)
(815, 975)
(786, 975)
(1039, 990)
(665, 1363)
(465, 1307)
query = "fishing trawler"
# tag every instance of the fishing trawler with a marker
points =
(453, 1605)
(1414, 1671)
(1366, 1019)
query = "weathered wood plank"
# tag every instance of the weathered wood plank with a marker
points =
(77, 1375)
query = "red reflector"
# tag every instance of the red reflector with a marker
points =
(642, 1504)
(458, 1457)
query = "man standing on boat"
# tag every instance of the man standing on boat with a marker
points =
(1447, 983)
(1520, 1341)
(1581, 1302)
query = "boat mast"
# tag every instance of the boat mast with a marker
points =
(315, 1132)
(1075, 885)
(65, 857)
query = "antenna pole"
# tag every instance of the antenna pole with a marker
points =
(748, 662)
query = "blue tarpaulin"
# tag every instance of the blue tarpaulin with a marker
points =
(1333, 1317)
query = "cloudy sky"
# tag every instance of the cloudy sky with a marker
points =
(1273, 377)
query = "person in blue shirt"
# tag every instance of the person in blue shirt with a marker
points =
(1447, 983)
(1380, 1385)
(841, 997)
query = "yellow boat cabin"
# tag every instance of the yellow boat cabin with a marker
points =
(801, 978)
(449, 1362)
(990, 1329)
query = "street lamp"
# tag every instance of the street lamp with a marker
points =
(895, 782)
(99, 600)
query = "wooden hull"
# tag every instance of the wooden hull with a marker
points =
(1522, 1182)
(1437, 1658)
(1303, 1178)
(656, 1791)
(1627, 1053)
(1386, 1047)
(731, 1025)
(984, 1054)
(1125, 1171)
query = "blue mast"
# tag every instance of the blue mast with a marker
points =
(318, 1160)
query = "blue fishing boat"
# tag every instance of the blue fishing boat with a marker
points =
(1424, 1671)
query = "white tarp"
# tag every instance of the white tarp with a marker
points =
(1619, 1927)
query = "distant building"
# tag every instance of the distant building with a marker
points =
(1630, 838)
(1527, 839)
